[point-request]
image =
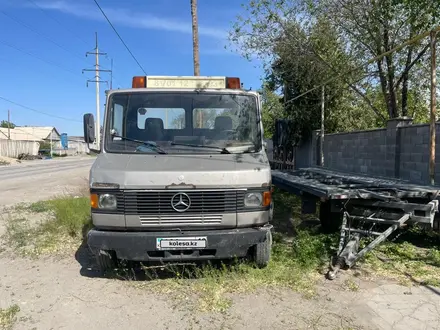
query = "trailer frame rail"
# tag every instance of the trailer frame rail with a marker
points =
(370, 206)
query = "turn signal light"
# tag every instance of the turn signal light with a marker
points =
(139, 82)
(233, 83)
(267, 198)
(94, 201)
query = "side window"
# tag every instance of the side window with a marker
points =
(118, 119)
(172, 118)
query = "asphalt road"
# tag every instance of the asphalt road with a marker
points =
(38, 180)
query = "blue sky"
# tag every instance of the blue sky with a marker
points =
(43, 45)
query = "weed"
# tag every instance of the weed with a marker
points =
(299, 255)
(295, 264)
(70, 216)
(413, 258)
(39, 207)
(8, 317)
(61, 229)
(351, 285)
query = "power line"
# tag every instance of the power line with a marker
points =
(120, 38)
(115, 79)
(41, 35)
(37, 111)
(44, 36)
(373, 60)
(25, 132)
(97, 80)
(53, 18)
(37, 57)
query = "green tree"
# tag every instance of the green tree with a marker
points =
(304, 43)
(298, 56)
(6, 124)
(272, 110)
(371, 28)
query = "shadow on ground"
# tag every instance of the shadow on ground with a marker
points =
(299, 235)
(284, 231)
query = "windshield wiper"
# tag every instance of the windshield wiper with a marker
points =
(223, 150)
(153, 146)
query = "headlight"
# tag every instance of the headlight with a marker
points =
(107, 201)
(258, 199)
(253, 199)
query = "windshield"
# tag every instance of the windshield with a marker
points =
(182, 122)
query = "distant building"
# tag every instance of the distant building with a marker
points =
(43, 135)
(32, 133)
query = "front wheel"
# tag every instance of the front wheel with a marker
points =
(106, 261)
(262, 251)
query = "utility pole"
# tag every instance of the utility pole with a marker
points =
(9, 124)
(433, 109)
(195, 34)
(97, 80)
(51, 148)
(196, 58)
(322, 124)
(111, 74)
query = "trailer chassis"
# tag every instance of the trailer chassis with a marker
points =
(368, 206)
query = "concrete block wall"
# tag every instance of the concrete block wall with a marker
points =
(359, 152)
(401, 150)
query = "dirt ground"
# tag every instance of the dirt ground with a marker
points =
(32, 181)
(67, 293)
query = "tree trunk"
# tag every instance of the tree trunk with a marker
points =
(383, 85)
(405, 83)
(390, 72)
(195, 33)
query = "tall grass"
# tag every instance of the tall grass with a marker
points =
(63, 222)
(8, 317)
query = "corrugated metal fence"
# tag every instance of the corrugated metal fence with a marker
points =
(12, 148)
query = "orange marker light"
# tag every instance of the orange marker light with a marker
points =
(267, 198)
(139, 82)
(94, 201)
(233, 83)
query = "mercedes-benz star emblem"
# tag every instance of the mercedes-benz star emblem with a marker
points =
(180, 202)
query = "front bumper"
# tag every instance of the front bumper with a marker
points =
(141, 246)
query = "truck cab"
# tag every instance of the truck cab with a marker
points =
(181, 173)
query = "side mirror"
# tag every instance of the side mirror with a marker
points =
(265, 145)
(89, 128)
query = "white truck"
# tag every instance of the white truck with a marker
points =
(182, 173)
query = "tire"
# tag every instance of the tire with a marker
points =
(262, 251)
(106, 261)
(330, 221)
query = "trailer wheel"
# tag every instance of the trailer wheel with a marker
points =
(330, 221)
(106, 261)
(262, 251)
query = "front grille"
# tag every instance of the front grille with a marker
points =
(202, 202)
(178, 219)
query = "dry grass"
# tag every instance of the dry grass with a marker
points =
(300, 255)
(8, 317)
(298, 258)
(413, 259)
(59, 229)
